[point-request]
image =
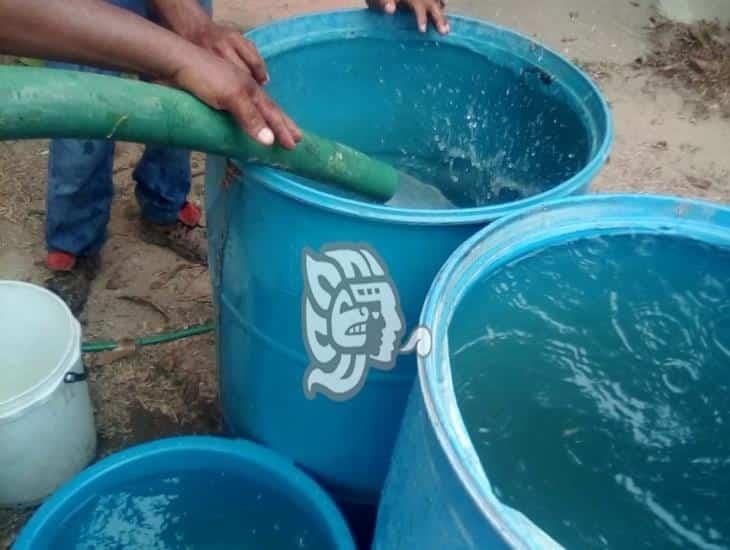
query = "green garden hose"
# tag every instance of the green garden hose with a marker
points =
(40, 103)
(52, 103)
(162, 338)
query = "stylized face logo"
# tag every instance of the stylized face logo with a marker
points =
(352, 319)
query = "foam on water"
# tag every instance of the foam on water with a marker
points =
(192, 510)
(594, 380)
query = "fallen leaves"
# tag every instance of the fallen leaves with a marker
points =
(699, 183)
(696, 55)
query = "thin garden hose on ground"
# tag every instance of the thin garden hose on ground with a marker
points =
(162, 338)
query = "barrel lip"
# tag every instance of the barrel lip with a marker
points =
(41, 391)
(78, 489)
(278, 36)
(503, 241)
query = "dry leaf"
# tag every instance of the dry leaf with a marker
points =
(125, 348)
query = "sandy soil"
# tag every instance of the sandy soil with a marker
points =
(156, 391)
(668, 140)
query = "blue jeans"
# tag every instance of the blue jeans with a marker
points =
(80, 188)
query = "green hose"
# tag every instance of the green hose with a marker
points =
(163, 338)
(51, 103)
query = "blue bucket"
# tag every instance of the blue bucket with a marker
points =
(438, 494)
(483, 100)
(199, 492)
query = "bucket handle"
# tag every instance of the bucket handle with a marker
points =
(74, 377)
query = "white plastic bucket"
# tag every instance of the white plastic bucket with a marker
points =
(47, 432)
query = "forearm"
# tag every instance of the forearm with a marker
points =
(184, 17)
(92, 32)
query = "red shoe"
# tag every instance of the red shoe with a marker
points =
(60, 261)
(190, 215)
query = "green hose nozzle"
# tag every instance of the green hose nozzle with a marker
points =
(51, 103)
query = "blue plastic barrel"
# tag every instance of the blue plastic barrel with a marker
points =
(521, 124)
(189, 492)
(437, 494)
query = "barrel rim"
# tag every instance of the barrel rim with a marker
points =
(516, 236)
(40, 391)
(464, 31)
(248, 452)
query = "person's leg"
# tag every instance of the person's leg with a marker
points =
(79, 195)
(78, 201)
(163, 183)
(80, 188)
(163, 175)
(168, 219)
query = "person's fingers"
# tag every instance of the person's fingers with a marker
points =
(163, 82)
(421, 15)
(247, 114)
(388, 6)
(438, 18)
(229, 53)
(293, 128)
(250, 55)
(275, 118)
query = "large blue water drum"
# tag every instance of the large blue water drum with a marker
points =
(495, 120)
(576, 395)
(189, 492)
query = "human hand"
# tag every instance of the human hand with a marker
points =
(423, 9)
(225, 86)
(101, 34)
(228, 43)
(188, 19)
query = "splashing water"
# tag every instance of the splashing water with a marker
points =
(194, 510)
(483, 130)
(412, 193)
(457, 180)
(593, 379)
(417, 192)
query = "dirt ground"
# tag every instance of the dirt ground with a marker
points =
(671, 137)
